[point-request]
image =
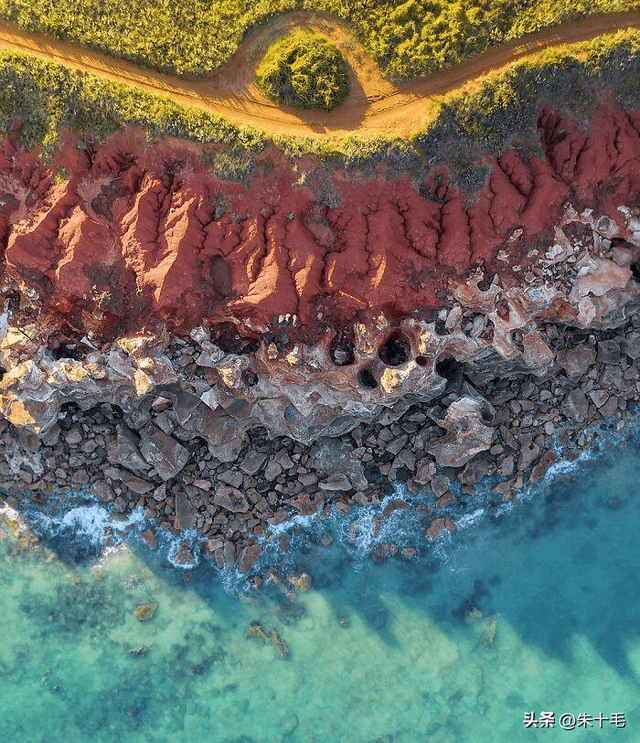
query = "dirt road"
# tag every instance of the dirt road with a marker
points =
(374, 106)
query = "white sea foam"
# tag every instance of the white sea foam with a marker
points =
(85, 521)
(470, 520)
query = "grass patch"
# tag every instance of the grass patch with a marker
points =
(407, 38)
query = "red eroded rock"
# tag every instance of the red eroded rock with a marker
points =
(140, 234)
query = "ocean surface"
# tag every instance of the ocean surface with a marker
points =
(526, 609)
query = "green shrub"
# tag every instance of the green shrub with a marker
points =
(407, 38)
(304, 70)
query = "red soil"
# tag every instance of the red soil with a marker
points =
(139, 233)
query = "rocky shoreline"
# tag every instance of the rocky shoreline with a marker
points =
(232, 505)
(228, 354)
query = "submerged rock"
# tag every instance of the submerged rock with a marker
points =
(144, 612)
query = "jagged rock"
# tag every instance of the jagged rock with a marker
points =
(576, 405)
(231, 477)
(125, 451)
(185, 512)
(507, 466)
(609, 408)
(426, 470)
(272, 470)
(440, 485)
(383, 551)
(306, 505)
(74, 435)
(163, 452)
(576, 361)
(609, 351)
(539, 470)
(445, 500)
(437, 526)
(528, 455)
(253, 462)
(137, 484)
(599, 397)
(229, 554)
(467, 434)
(230, 499)
(631, 346)
(336, 482)
(149, 537)
(336, 459)
(184, 554)
(476, 469)
(248, 557)
(103, 491)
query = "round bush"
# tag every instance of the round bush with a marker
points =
(304, 70)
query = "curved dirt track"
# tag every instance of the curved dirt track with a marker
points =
(374, 106)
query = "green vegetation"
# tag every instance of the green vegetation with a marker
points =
(406, 37)
(505, 108)
(50, 98)
(304, 70)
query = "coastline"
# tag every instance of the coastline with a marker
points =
(537, 422)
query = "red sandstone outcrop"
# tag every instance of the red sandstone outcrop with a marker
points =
(139, 232)
(317, 298)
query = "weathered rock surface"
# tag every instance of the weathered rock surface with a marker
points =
(307, 313)
(163, 452)
(246, 353)
(230, 499)
(467, 433)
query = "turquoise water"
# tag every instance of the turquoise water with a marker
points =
(536, 608)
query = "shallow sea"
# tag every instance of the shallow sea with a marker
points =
(529, 609)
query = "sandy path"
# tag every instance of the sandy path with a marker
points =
(374, 106)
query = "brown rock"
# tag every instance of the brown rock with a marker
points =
(599, 397)
(394, 505)
(336, 482)
(435, 527)
(383, 551)
(439, 485)
(145, 612)
(229, 554)
(506, 466)
(137, 484)
(425, 472)
(546, 460)
(609, 351)
(528, 455)
(467, 434)
(248, 556)
(450, 524)
(125, 451)
(163, 452)
(479, 467)
(306, 505)
(231, 499)
(185, 513)
(445, 500)
(576, 405)
(576, 361)
(609, 408)
(149, 536)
